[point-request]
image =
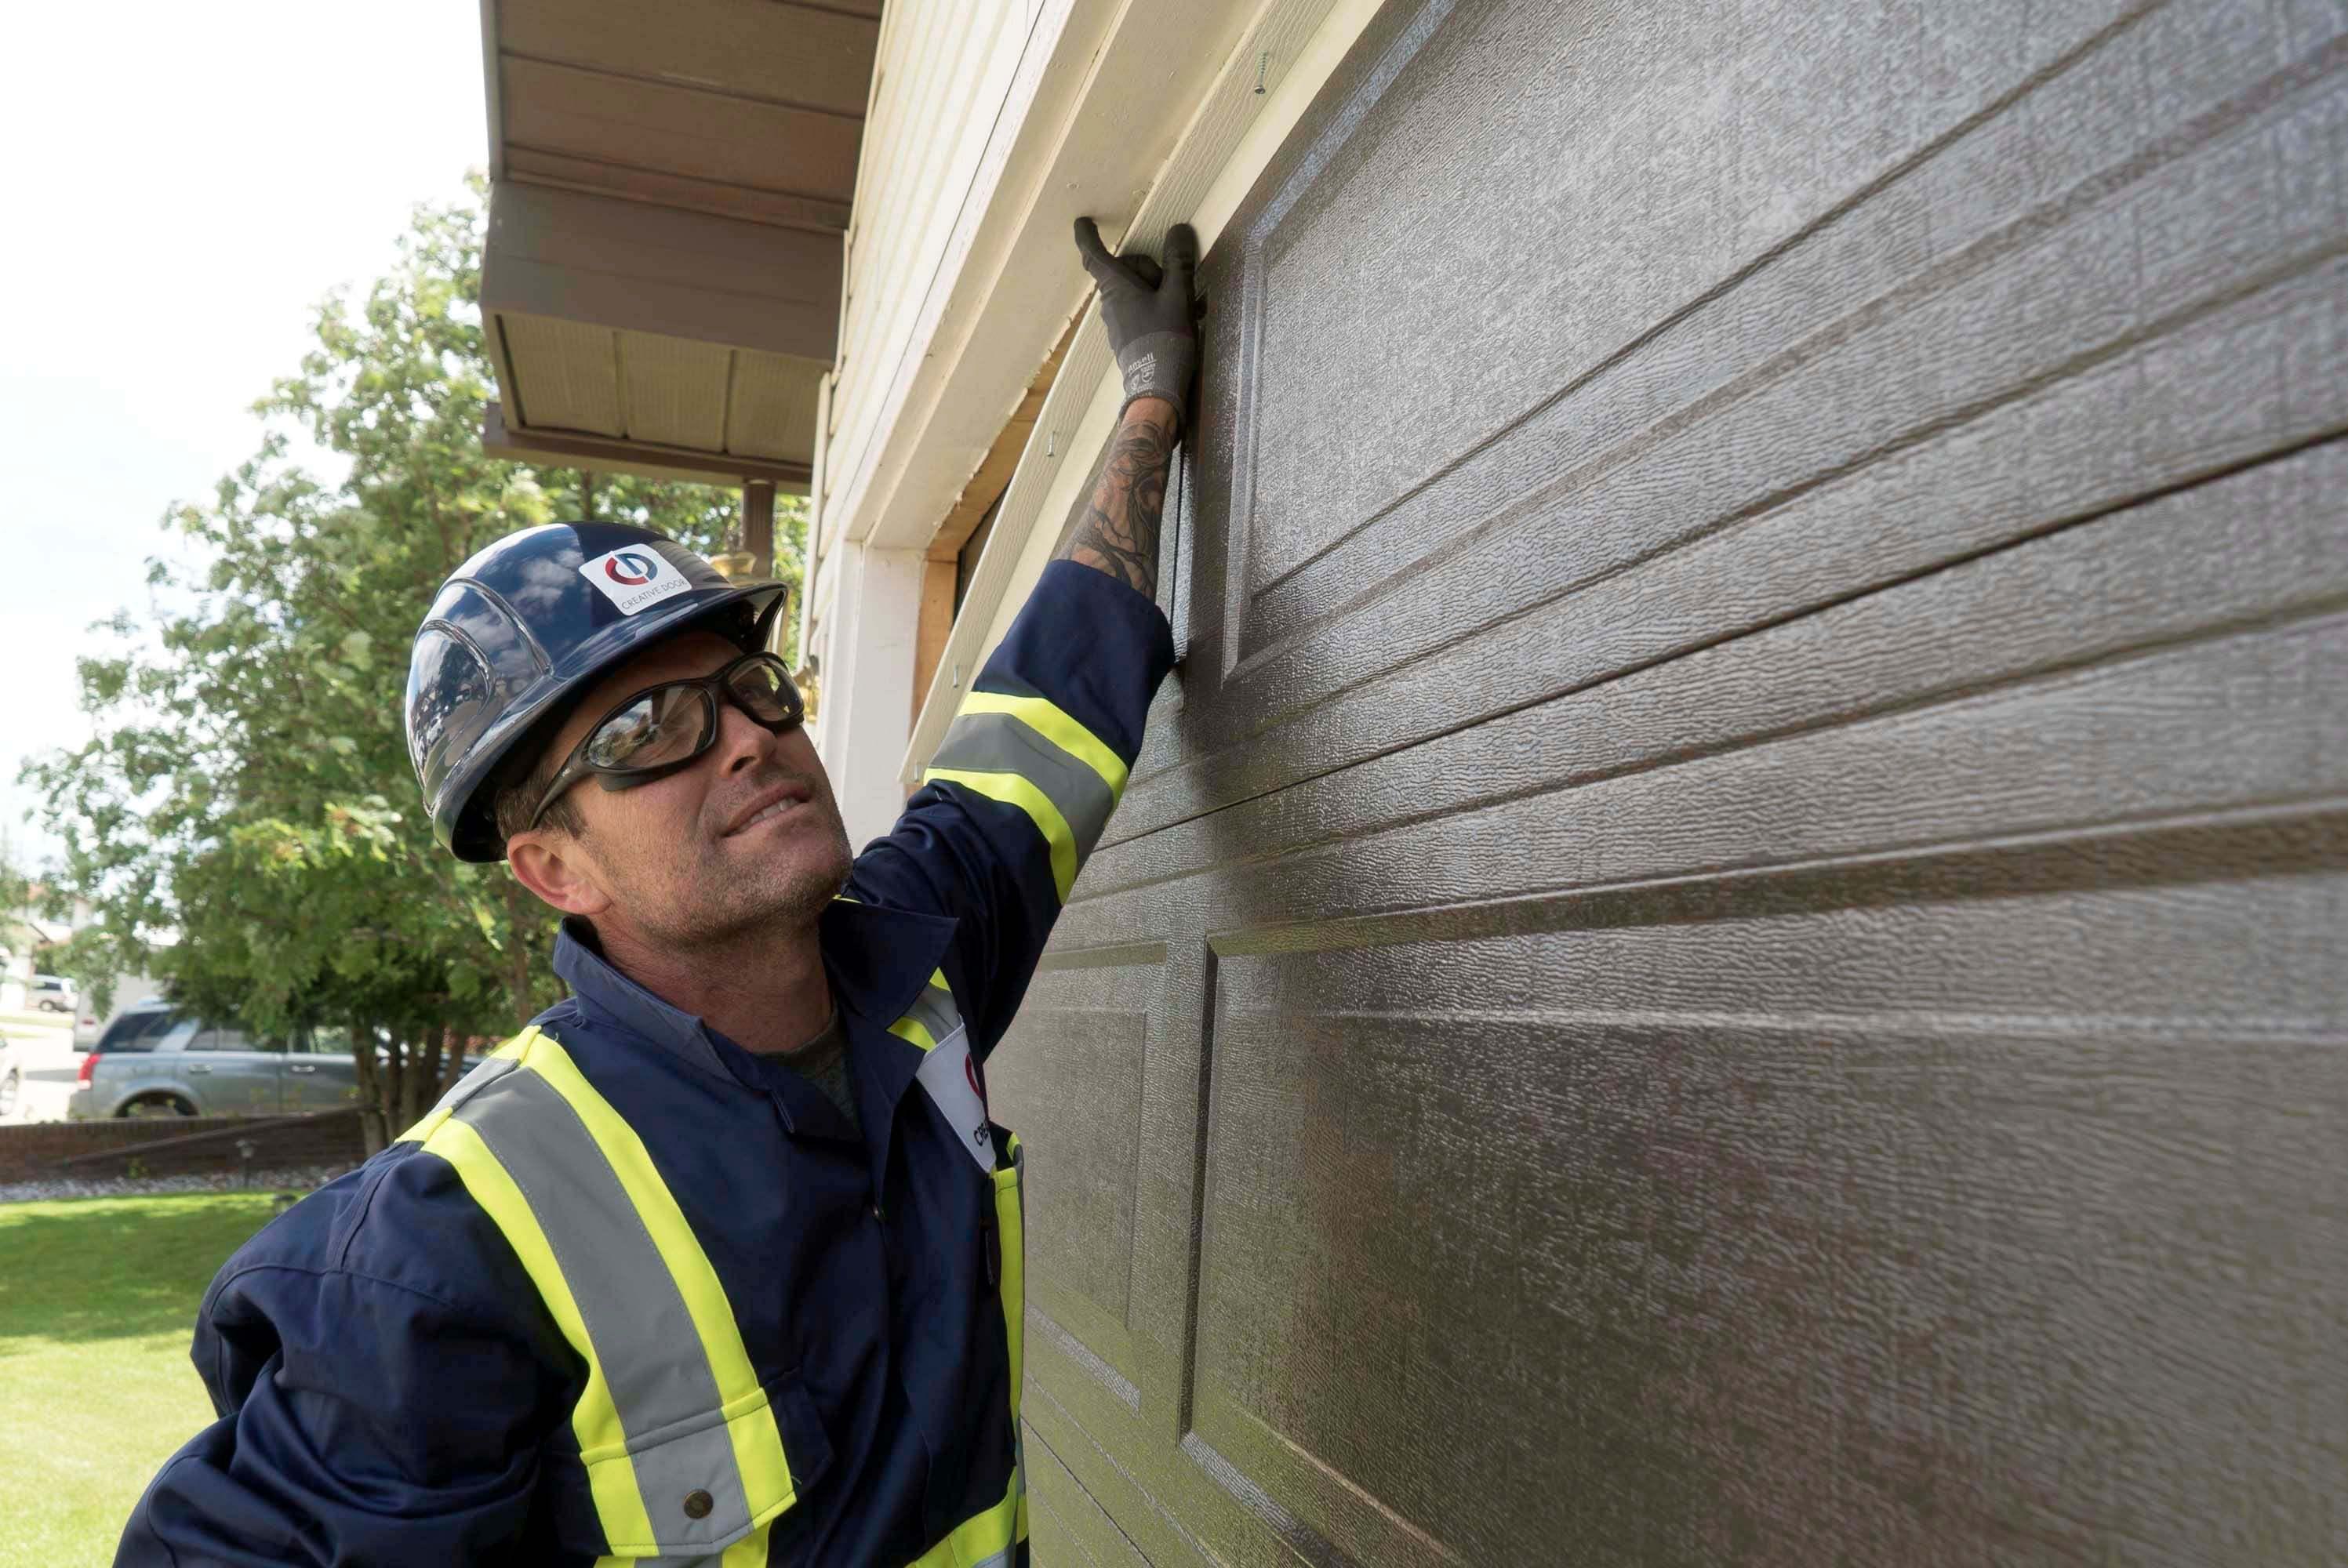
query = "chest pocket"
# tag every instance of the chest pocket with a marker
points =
(949, 1073)
(689, 1456)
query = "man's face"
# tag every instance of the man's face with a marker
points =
(747, 836)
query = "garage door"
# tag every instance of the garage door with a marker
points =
(1730, 944)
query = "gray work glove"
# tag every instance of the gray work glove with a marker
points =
(1150, 315)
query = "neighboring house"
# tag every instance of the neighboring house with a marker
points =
(1727, 945)
(28, 937)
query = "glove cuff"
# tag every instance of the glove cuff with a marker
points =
(1162, 364)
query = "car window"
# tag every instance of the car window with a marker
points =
(235, 1037)
(328, 1039)
(134, 1031)
(174, 1036)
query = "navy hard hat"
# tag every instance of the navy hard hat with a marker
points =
(521, 629)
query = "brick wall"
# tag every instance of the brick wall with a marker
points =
(189, 1145)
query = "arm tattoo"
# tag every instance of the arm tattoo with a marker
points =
(1118, 532)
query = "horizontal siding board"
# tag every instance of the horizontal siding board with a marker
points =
(943, 113)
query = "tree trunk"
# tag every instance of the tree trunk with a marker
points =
(372, 1129)
(452, 1060)
(394, 1084)
(425, 1078)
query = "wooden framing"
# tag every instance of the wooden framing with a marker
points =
(970, 508)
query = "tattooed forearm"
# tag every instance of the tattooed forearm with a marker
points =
(1118, 532)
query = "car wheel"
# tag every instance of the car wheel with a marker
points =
(162, 1105)
(8, 1087)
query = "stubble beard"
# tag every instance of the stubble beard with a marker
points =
(717, 908)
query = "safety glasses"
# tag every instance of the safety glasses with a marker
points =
(665, 728)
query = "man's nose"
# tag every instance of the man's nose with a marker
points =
(742, 742)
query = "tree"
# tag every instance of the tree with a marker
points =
(248, 786)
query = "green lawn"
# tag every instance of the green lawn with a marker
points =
(98, 1296)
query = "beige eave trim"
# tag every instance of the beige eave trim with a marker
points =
(561, 449)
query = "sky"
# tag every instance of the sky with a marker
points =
(179, 186)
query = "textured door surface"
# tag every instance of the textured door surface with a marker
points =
(1729, 946)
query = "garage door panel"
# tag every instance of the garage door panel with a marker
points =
(1070, 1076)
(2242, 722)
(1601, 191)
(2047, 298)
(1835, 267)
(1711, 1204)
(2254, 377)
(2262, 544)
(2229, 723)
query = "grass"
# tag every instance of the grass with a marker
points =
(98, 1298)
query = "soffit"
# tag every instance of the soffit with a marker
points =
(669, 190)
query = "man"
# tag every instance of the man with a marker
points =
(718, 1260)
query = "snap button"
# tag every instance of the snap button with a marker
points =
(697, 1504)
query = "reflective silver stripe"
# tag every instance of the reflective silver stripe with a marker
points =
(660, 1379)
(465, 1088)
(934, 1011)
(1000, 743)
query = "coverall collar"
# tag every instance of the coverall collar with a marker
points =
(877, 961)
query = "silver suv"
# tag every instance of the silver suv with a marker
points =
(156, 1060)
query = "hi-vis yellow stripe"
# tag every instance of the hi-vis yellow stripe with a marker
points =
(1051, 721)
(1012, 790)
(982, 1536)
(751, 1427)
(595, 1419)
(758, 1441)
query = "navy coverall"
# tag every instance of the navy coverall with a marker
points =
(393, 1383)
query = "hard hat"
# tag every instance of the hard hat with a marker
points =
(522, 629)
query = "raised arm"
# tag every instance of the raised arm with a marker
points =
(1118, 532)
(1150, 313)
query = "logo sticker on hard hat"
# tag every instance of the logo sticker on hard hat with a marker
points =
(633, 578)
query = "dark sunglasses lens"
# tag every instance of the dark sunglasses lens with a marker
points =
(657, 727)
(765, 691)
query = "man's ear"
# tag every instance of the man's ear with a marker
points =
(553, 865)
